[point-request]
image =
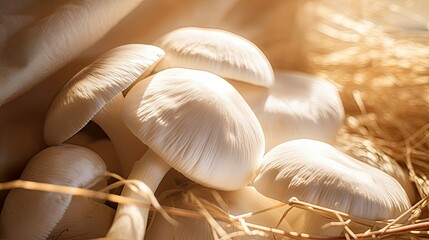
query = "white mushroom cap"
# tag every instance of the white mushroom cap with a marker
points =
(33, 215)
(90, 89)
(195, 122)
(199, 124)
(298, 105)
(95, 93)
(217, 51)
(317, 173)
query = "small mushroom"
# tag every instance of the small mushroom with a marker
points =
(95, 93)
(317, 173)
(195, 122)
(241, 202)
(220, 52)
(298, 105)
(33, 215)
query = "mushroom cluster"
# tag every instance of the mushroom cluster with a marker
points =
(208, 104)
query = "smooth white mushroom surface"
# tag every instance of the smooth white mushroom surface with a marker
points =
(33, 215)
(220, 52)
(95, 93)
(317, 173)
(298, 105)
(195, 122)
(199, 124)
(90, 89)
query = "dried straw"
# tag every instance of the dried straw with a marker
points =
(197, 202)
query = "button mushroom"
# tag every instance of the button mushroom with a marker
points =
(195, 122)
(95, 93)
(33, 215)
(220, 52)
(298, 105)
(317, 173)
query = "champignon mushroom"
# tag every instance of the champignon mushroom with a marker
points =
(298, 105)
(317, 173)
(243, 201)
(198, 124)
(33, 215)
(95, 93)
(220, 52)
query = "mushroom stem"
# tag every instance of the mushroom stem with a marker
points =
(131, 220)
(128, 147)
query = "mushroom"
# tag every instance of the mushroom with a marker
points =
(241, 202)
(195, 122)
(33, 215)
(220, 52)
(95, 93)
(84, 219)
(298, 105)
(317, 173)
